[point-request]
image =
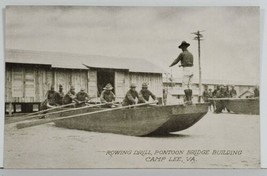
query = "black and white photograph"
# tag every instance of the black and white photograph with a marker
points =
(132, 87)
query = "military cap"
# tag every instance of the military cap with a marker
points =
(108, 87)
(60, 85)
(132, 85)
(72, 88)
(184, 43)
(82, 89)
(144, 85)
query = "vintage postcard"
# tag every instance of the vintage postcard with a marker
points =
(132, 87)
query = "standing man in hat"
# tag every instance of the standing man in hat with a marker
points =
(186, 59)
(233, 93)
(130, 96)
(60, 95)
(70, 97)
(107, 96)
(81, 98)
(206, 94)
(144, 94)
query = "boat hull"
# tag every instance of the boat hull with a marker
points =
(139, 121)
(243, 106)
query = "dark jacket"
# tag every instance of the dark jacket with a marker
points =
(82, 96)
(52, 97)
(68, 98)
(107, 97)
(186, 59)
(144, 95)
(130, 97)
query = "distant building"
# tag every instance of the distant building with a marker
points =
(246, 94)
(30, 74)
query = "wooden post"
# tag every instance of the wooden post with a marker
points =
(199, 37)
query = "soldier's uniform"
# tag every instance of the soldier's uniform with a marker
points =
(51, 100)
(144, 94)
(233, 92)
(81, 98)
(107, 96)
(220, 104)
(256, 92)
(186, 59)
(70, 96)
(206, 95)
(130, 96)
(60, 95)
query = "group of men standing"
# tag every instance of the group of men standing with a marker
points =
(107, 97)
(219, 92)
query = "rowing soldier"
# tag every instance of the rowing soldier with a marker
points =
(60, 95)
(51, 100)
(186, 59)
(130, 97)
(107, 96)
(70, 97)
(144, 94)
(52, 97)
(81, 98)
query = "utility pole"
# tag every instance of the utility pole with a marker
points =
(199, 37)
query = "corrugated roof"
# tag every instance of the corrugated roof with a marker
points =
(79, 61)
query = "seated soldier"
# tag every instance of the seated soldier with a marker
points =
(81, 98)
(52, 97)
(130, 96)
(51, 100)
(60, 95)
(144, 94)
(107, 96)
(70, 97)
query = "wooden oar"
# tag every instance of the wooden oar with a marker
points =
(56, 112)
(216, 99)
(48, 120)
(49, 109)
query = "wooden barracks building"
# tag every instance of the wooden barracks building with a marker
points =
(30, 74)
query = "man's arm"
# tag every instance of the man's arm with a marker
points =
(141, 98)
(176, 60)
(130, 97)
(152, 95)
(102, 100)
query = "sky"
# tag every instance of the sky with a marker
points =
(230, 49)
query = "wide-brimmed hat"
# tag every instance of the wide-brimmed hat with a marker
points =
(133, 85)
(184, 43)
(144, 85)
(108, 87)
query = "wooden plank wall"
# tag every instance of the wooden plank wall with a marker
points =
(92, 83)
(32, 83)
(153, 80)
(8, 85)
(120, 86)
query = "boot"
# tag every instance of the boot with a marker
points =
(190, 93)
(188, 96)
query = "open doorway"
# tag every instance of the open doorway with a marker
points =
(103, 78)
